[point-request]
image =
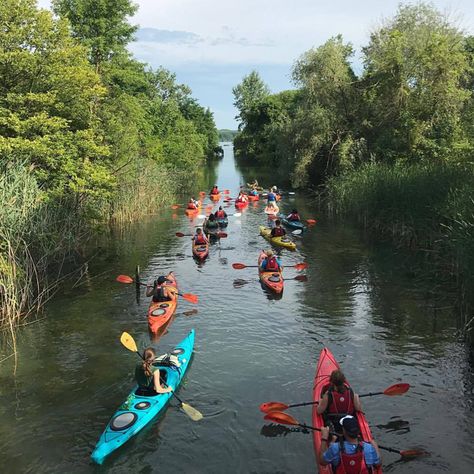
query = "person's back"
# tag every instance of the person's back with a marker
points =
(294, 216)
(214, 190)
(159, 292)
(270, 263)
(211, 223)
(278, 230)
(199, 238)
(220, 213)
(147, 376)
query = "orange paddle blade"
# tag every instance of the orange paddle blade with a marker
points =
(268, 407)
(124, 279)
(311, 221)
(221, 235)
(190, 297)
(179, 234)
(202, 193)
(397, 389)
(238, 266)
(281, 418)
(226, 191)
(301, 266)
(301, 278)
(411, 453)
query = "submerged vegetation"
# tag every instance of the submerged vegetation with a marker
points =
(392, 147)
(86, 132)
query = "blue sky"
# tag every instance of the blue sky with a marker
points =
(212, 44)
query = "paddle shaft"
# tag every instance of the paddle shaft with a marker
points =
(144, 284)
(315, 403)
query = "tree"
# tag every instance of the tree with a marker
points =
(101, 25)
(248, 94)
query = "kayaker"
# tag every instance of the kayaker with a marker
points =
(293, 216)
(214, 190)
(199, 237)
(338, 400)
(270, 263)
(220, 213)
(278, 230)
(351, 454)
(271, 199)
(193, 204)
(160, 291)
(148, 376)
(254, 191)
(242, 197)
(210, 223)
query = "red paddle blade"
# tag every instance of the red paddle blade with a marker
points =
(238, 266)
(281, 418)
(268, 407)
(311, 221)
(412, 453)
(124, 279)
(175, 206)
(301, 278)
(191, 298)
(301, 266)
(202, 193)
(179, 234)
(226, 191)
(221, 235)
(397, 389)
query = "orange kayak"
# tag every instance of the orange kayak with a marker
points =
(326, 364)
(241, 204)
(253, 197)
(272, 280)
(160, 313)
(200, 251)
(215, 197)
(192, 212)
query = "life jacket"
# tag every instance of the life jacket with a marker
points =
(200, 240)
(214, 191)
(271, 197)
(159, 294)
(278, 232)
(220, 214)
(192, 205)
(342, 403)
(294, 217)
(254, 192)
(352, 463)
(272, 264)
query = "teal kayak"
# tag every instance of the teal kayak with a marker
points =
(138, 410)
(291, 224)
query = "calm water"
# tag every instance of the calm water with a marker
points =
(359, 300)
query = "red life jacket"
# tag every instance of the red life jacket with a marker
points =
(278, 232)
(341, 402)
(220, 214)
(200, 240)
(191, 205)
(214, 191)
(352, 463)
(272, 264)
(294, 217)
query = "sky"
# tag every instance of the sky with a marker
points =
(212, 44)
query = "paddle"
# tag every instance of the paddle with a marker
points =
(285, 419)
(191, 297)
(128, 341)
(239, 282)
(298, 266)
(236, 214)
(221, 235)
(311, 221)
(393, 390)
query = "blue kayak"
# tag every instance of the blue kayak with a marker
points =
(138, 410)
(291, 224)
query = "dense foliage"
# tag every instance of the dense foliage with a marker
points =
(91, 128)
(227, 135)
(392, 146)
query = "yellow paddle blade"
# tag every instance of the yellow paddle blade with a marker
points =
(194, 414)
(127, 340)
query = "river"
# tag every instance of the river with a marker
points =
(360, 300)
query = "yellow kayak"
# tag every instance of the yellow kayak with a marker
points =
(284, 241)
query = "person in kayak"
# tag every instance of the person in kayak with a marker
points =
(199, 237)
(271, 199)
(210, 225)
(254, 191)
(220, 213)
(351, 454)
(193, 204)
(338, 400)
(160, 291)
(148, 376)
(278, 230)
(214, 190)
(293, 216)
(270, 263)
(242, 197)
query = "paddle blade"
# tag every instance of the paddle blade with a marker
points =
(237, 214)
(127, 340)
(194, 414)
(268, 407)
(179, 234)
(190, 297)
(175, 206)
(238, 266)
(202, 193)
(297, 232)
(226, 191)
(311, 221)
(124, 279)
(190, 312)
(221, 235)
(413, 453)
(397, 389)
(301, 266)
(282, 418)
(201, 216)
(301, 278)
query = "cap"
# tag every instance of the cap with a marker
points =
(350, 424)
(161, 280)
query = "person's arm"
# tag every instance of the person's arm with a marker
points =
(157, 383)
(322, 405)
(324, 446)
(378, 460)
(149, 290)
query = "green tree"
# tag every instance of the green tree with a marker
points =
(101, 25)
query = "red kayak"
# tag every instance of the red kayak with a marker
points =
(160, 313)
(272, 280)
(326, 364)
(253, 197)
(241, 204)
